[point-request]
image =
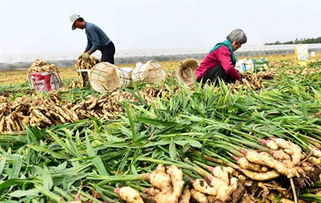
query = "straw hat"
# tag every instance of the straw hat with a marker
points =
(186, 69)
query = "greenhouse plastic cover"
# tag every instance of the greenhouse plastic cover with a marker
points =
(23, 61)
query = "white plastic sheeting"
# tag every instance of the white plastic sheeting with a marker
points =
(23, 61)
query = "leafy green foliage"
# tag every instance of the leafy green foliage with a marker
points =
(78, 159)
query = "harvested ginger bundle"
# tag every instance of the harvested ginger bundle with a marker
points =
(222, 173)
(223, 182)
(280, 155)
(129, 194)
(203, 187)
(160, 179)
(288, 147)
(198, 196)
(169, 183)
(177, 180)
(265, 159)
(316, 152)
(316, 157)
(315, 161)
(284, 158)
(245, 164)
(86, 63)
(221, 185)
(263, 176)
(186, 196)
(42, 66)
(292, 149)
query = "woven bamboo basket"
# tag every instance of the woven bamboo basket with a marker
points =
(186, 71)
(105, 77)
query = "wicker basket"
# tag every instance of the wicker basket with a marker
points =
(185, 72)
(125, 75)
(150, 72)
(105, 77)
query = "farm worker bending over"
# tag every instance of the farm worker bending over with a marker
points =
(220, 62)
(96, 39)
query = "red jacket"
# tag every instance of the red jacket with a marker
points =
(222, 56)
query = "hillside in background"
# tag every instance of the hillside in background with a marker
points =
(298, 41)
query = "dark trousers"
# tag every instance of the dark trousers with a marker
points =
(212, 75)
(107, 53)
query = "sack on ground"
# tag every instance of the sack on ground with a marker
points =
(150, 72)
(44, 81)
(43, 76)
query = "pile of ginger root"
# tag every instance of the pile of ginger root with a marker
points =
(283, 158)
(255, 171)
(168, 187)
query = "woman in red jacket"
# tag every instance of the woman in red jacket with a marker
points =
(220, 62)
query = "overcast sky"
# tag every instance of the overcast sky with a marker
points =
(44, 26)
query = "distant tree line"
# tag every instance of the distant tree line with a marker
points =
(298, 41)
